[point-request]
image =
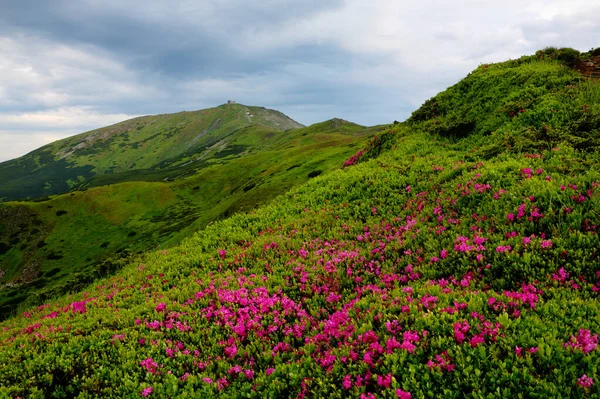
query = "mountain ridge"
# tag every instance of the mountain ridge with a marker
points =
(164, 140)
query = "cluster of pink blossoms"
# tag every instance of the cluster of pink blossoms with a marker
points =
(584, 341)
(585, 382)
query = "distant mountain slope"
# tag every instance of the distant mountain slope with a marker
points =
(150, 144)
(57, 244)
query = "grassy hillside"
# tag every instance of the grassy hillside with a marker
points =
(146, 148)
(456, 255)
(65, 242)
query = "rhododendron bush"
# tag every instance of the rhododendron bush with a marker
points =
(428, 271)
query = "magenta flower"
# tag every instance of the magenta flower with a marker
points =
(503, 248)
(230, 351)
(269, 371)
(347, 382)
(78, 307)
(147, 391)
(408, 189)
(562, 275)
(403, 394)
(585, 382)
(518, 351)
(160, 307)
(150, 365)
(384, 381)
(546, 244)
(584, 341)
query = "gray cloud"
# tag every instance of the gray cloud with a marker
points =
(69, 66)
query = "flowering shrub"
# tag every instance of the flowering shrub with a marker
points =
(390, 278)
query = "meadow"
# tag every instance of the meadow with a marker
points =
(454, 255)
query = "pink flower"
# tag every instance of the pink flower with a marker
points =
(347, 382)
(562, 275)
(585, 382)
(403, 394)
(147, 391)
(408, 189)
(222, 253)
(546, 244)
(443, 255)
(230, 351)
(584, 341)
(503, 248)
(78, 307)
(270, 371)
(207, 380)
(150, 365)
(429, 301)
(518, 351)
(384, 381)
(460, 329)
(476, 340)
(249, 374)
(160, 307)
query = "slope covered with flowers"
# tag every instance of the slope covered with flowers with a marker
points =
(440, 267)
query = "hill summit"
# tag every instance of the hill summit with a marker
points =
(144, 145)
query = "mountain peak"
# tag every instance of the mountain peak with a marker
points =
(142, 143)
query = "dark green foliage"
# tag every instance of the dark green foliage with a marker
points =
(568, 56)
(24, 178)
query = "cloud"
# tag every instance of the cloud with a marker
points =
(68, 67)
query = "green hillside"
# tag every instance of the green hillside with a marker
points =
(455, 255)
(146, 148)
(63, 243)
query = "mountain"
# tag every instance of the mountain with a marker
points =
(454, 255)
(60, 243)
(146, 148)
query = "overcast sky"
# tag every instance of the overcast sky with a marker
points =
(68, 66)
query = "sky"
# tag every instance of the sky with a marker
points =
(69, 66)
